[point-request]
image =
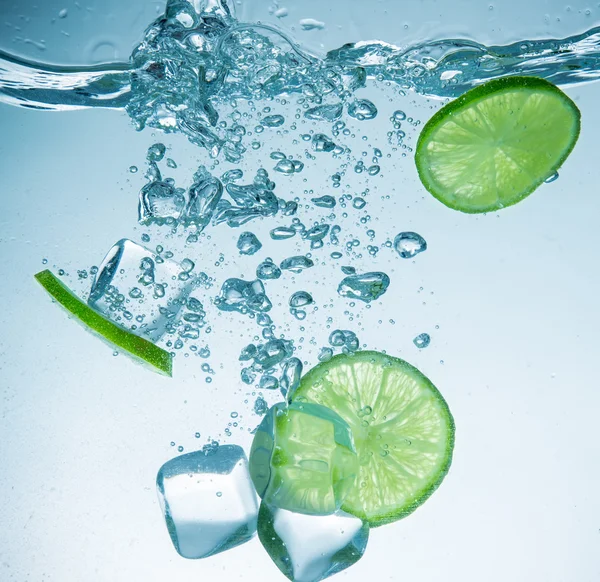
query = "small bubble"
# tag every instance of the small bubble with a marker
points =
(409, 244)
(422, 340)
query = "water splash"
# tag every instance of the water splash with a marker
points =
(193, 59)
(41, 86)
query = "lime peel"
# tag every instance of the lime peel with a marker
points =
(138, 348)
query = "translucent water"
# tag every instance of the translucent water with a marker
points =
(321, 176)
(140, 290)
(309, 548)
(208, 501)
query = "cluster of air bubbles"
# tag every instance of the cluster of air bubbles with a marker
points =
(221, 85)
(362, 109)
(340, 338)
(271, 365)
(243, 296)
(298, 302)
(286, 165)
(372, 170)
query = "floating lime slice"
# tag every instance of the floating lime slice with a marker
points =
(135, 346)
(403, 430)
(497, 143)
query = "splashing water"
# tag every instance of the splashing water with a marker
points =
(192, 63)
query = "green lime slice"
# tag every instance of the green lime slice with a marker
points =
(494, 145)
(135, 346)
(403, 430)
(303, 459)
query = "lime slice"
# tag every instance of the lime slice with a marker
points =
(135, 346)
(494, 145)
(403, 430)
(303, 459)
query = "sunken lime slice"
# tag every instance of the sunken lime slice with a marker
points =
(135, 346)
(402, 428)
(494, 145)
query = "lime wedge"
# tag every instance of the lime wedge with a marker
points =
(303, 459)
(135, 346)
(403, 430)
(494, 145)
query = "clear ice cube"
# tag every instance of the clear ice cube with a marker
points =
(204, 196)
(208, 501)
(309, 548)
(303, 459)
(243, 296)
(160, 203)
(139, 290)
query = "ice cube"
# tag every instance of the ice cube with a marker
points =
(309, 548)
(303, 459)
(243, 296)
(160, 203)
(208, 501)
(139, 290)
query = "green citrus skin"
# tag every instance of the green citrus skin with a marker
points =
(138, 348)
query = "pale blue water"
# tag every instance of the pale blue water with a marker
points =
(305, 142)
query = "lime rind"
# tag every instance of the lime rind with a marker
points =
(471, 99)
(136, 347)
(348, 402)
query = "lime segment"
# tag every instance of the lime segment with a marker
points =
(133, 345)
(402, 428)
(497, 143)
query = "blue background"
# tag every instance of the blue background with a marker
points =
(514, 294)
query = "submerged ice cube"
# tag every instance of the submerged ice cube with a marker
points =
(309, 548)
(243, 296)
(204, 196)
(208, 501)
(303, 458)
(139, 291)
(160, 203)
